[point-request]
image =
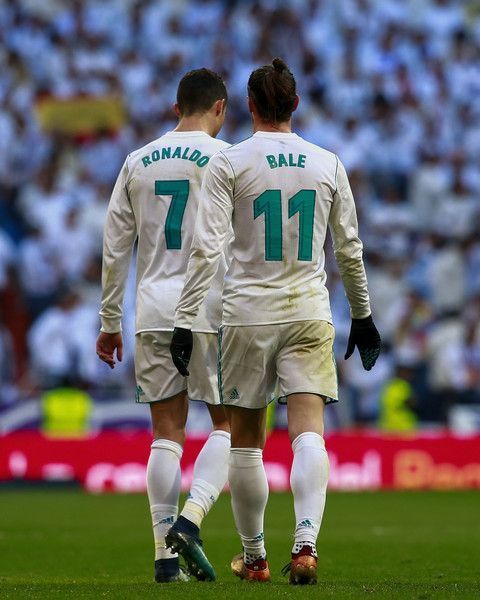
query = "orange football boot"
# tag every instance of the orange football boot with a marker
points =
(257, 571)
(303, 567)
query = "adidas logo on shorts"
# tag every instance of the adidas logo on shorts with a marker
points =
(234, 395)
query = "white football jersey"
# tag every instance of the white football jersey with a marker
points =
(280, 193)
(156, 199)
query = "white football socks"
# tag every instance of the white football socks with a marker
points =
(209, 476)
(163, 486)
(308, 480)
(249, 489)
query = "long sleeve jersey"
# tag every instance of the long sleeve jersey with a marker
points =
(280, 193)
(155, 200)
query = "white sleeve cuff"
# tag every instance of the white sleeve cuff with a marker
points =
(113, 325)
(183, 320)
(360, 313)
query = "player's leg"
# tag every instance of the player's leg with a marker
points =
(164, 477)
(161, 386)
(246, 380)
(307, 374)
(211, 467)
(209, 478)
(210, 471)
(249, 490)
(308, 481)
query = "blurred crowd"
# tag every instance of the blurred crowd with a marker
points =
(392, 86)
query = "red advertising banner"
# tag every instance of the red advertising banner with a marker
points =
(116, 461)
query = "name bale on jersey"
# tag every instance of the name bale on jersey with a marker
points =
(183, 153)
(281, 161)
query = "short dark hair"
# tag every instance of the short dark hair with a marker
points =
(274, 90)
(198, 90)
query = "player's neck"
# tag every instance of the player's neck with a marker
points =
(196, 123)
(282, 127)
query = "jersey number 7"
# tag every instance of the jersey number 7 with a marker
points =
(270, 203)
(178, 190)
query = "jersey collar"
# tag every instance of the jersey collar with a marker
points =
(275, 134)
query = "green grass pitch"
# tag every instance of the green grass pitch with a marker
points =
(67, 544)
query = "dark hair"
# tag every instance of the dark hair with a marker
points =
(198, 90)
(273, 89)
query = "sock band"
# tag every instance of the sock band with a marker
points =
(308, 439)
(245, 458)
(163, 512)
(220, 433)
(163, 444)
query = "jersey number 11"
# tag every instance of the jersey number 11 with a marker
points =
(270, 203)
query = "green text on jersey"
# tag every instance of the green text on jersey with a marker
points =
(193, 155)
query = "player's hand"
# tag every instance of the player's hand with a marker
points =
(181, 349)
(365, 336)
(107, 343)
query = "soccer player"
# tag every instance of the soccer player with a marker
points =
(155, 200)
(280, 193)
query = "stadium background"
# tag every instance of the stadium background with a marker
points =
(392, 86)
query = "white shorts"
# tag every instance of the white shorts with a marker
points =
(256, 362)
(157, 377)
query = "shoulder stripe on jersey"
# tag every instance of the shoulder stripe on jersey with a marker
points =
(125, 187)
(219, 363)
(233, 171)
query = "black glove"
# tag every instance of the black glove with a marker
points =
(181, 349)
(365, 336)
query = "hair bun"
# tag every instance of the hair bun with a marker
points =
(279, 65)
